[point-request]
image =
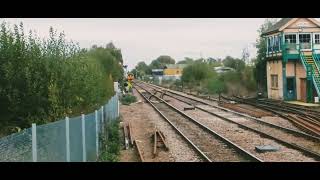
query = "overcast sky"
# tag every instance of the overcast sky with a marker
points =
(146, 39)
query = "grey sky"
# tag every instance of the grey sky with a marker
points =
(146, 39)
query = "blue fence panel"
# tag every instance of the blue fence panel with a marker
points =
(75, 134)
(51, 139)
(90, 129)
(51, 142)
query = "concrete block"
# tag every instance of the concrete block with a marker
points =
(267, 148)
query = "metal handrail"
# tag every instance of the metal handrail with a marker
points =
(316, 58)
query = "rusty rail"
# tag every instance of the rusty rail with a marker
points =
(136, 142)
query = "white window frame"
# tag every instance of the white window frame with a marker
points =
(271, 43)
(311, 40)
(314, 37)
(284, 37)
(279, 41)
(297, 39)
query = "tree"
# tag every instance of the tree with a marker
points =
(196, 73)
(186, 61)
(110, 45)
(164, 59)
(245, 55)
(161, 61)
(213, 62)
(234, 63)
(260, 65)
(216, 86)
(143, 67)
(45, 80)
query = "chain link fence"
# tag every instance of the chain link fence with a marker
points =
(75, 139)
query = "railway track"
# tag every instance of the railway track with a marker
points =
(210, 145)
(286, 107)
(193, 101)
(285, 136)
(305, 121)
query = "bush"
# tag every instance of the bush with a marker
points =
(216, 86)
(128, 99)
(111, 143)
(45, 80)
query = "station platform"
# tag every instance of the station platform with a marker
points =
(303, 103)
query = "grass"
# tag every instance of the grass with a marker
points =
(128, 99)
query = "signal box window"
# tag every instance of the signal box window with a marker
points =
(290, 38)
(317, 38)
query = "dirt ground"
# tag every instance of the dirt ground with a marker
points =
(143, 121)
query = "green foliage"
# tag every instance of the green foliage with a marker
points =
(248, 77)
(216, 85)
(128, 99)
(201, 77)
(161, 61)
(45, 80)
(111, 60)
(239, 82)
(196, 72)
(143, 67)
(111, 143)
(141, 70)
(236, 64)
(186, 61)
(260, 63)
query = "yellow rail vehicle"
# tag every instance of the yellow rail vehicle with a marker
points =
(128, 83)
(130, 77)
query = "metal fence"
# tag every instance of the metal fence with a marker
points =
(74, 139)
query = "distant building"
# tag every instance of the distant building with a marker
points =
(157, 72)
(222, 69)
(173, 71)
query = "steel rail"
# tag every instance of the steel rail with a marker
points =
(223, 139)
(292, 145)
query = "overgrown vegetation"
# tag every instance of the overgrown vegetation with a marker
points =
(128, 99)
(200, 76)
(111, 142)
(260, 72)
(45, 80)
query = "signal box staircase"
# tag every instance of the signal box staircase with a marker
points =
(313, 61)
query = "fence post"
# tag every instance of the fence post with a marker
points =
(118, 106)
(34, 142)
(112, 108)
(115, 107)
(67, 139)
(102, 120)
(83, 138)
(97, 132)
